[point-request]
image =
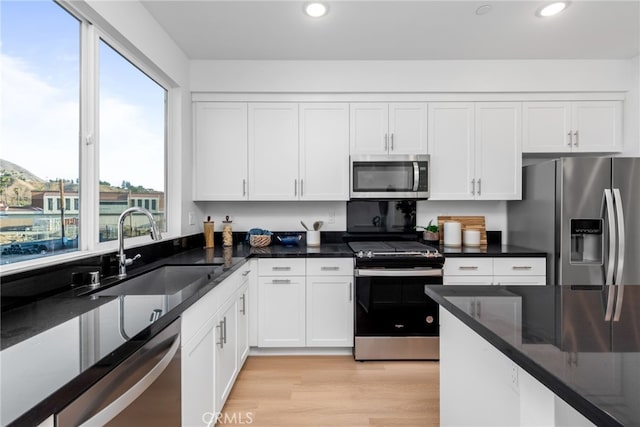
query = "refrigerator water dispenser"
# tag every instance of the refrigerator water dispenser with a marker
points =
(586, 241)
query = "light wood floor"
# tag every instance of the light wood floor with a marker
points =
(333, 391)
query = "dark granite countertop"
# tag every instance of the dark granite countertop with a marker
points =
(28, 330)
(563, 341)
(490, 251)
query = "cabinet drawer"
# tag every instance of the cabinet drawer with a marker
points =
(281, 267)
(519, 266)
(468, 267)
(329, 266)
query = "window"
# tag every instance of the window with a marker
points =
(132, 136)
(154, 205)
(41, 77)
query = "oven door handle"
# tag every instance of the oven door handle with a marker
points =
(398, 272)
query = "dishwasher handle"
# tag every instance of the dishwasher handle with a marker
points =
(125, 383)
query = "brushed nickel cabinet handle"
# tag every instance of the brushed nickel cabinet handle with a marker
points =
(473, 187)
(570, 139)
(327, 268)
(576, 135)
(522, 267)
(281, 268)
(281, 281)
(468, 267)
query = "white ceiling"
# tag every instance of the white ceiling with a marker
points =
(399, 30)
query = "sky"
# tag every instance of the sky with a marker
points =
(39, 97)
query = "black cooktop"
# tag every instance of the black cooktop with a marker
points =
(380, 246)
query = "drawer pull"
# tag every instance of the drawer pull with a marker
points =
(468, 267)
(281, 281)
(325, 268)
(246, 273)
(281, 268)
(521, 267)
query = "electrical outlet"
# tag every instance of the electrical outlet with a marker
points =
(191, 219)
(331, 218)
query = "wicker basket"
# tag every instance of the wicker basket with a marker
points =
(259, 240)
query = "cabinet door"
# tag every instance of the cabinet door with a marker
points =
(273, 151)
(408, 128)
(329, 311)
(451, 146)
(598, 125)
(546, 127)
(197, 358)
(220, 151)
(281, 311)
(498, 151)
(242, 304)
(252, 274)
(226, 366)
(369, 127)
(324, 151)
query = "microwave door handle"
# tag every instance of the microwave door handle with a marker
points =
(416, 176)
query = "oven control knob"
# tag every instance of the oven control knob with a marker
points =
(429, 319)
(369, 254)
(360, 254)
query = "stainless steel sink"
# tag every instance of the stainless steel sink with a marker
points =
(167, 280)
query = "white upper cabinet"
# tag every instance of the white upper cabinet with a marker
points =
(273, 151)
(324, 151)
(572, 127)
(220, 151)
(452, 150)
(498, 151)
(475, 151)
(381, 128)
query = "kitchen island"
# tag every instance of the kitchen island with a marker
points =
(531, 355)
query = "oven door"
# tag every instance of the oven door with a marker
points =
(404, 177)
(392, 302)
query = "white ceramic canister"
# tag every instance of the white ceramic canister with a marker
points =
(452, 234)
(313, 238)
(471, 238)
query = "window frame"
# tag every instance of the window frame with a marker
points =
(89, 243)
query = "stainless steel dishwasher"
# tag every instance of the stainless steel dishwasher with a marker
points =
(143, 390)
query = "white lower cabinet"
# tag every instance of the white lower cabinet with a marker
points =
(330, 302)
(226, 360)
(215, 335)
(242, 306)
(480, 386)
(305, 303)
(503, 271)
(281, 303)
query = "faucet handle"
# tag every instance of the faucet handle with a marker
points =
(129, 261)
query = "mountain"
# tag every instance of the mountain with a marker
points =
(16, 184)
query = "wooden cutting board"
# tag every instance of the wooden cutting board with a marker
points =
(468, 223)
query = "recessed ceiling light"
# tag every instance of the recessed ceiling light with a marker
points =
(484, 9)
(552, 9)
(315, 10)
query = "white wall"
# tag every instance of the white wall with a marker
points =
(134, 28)
(371, 77)
(275, 216)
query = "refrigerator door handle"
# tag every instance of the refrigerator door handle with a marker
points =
(620, 256)
(607, 203)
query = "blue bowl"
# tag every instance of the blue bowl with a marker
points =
(289, 240)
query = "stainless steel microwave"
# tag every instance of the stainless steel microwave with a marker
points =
(389, 177)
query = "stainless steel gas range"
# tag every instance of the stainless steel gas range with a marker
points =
(394, 319)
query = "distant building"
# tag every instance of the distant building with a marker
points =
(50, 202)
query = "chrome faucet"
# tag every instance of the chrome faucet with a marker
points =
(123, 261)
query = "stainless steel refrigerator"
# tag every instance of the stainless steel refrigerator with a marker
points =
(585, 214)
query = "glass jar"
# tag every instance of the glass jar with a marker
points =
(227, 232)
